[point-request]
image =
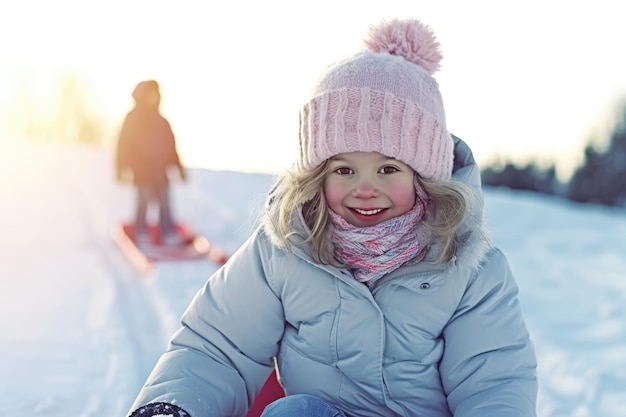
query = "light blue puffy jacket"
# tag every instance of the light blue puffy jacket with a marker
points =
(427, 341)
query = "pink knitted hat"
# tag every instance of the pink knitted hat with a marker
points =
(383, 99)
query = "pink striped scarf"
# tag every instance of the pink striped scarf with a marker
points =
(372, 252)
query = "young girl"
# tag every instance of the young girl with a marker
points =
(371, 284)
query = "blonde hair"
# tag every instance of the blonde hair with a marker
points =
(449, 202)
(302, 189)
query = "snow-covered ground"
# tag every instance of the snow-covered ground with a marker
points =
(80, 330)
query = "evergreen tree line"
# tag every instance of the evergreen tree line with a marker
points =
(600, 179)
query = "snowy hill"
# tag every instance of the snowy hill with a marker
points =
(80, 330)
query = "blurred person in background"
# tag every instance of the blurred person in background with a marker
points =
(146, 150)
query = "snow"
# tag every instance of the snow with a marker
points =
(80, 329)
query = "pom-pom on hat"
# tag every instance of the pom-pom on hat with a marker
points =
(383, 99)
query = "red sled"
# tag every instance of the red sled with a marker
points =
(271, 391)
(188, 245)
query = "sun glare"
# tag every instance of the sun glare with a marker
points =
(236, 80)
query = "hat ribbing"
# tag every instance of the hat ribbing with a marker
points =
(382, 100)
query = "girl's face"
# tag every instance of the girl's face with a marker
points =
(366, 188)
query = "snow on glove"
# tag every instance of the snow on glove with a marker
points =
(160, 410)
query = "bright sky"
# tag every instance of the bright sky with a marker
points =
(517, 78)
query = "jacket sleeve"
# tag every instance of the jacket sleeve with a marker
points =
(489, 364)
(218, 360)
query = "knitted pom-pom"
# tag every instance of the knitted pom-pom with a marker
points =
(410, 39)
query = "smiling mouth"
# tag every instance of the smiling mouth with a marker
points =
(370, 212)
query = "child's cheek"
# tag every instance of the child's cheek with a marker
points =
(402, 197)
(334, 194)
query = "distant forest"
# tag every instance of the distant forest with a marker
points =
(600, 179)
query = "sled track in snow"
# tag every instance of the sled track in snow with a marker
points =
(137, 310)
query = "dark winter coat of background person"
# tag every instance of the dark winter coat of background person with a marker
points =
(146, 143)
